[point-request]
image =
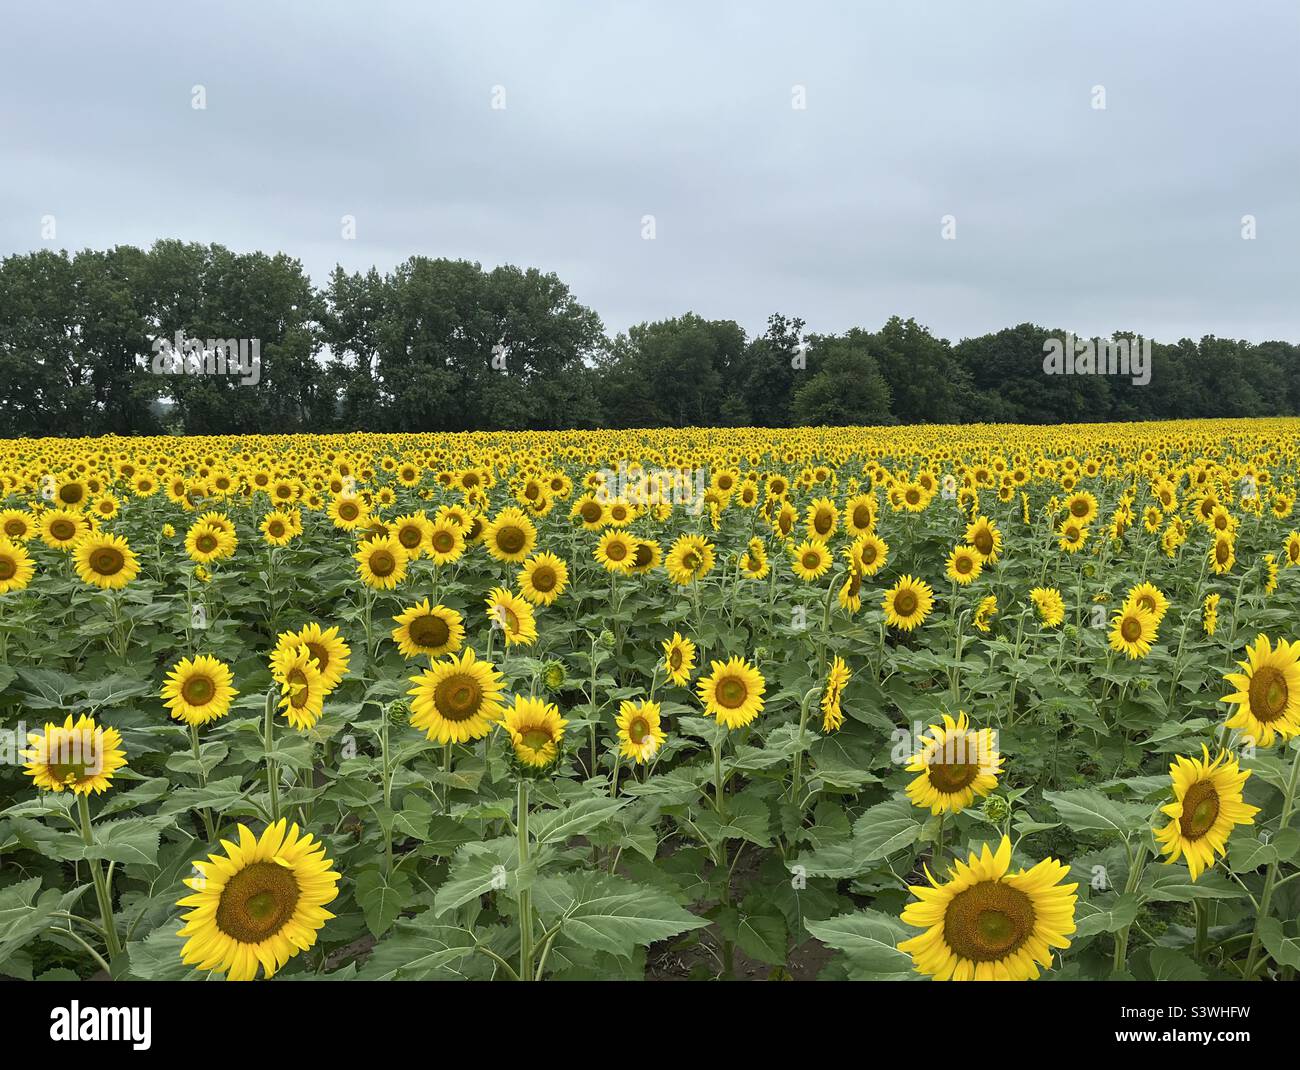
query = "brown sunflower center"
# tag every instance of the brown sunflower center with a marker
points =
(299, 689)
(1200, 809)
(276, 529)
(1221, 551)
(410, 536)
(862, 517)
(616, 551)
(1131, 629)
(8, 567)
(15, 528)
(458, 697)
(988, 921)
(429, 631)
(536, 738)
(382, 563)
(811, 560)
(543, 579)
(675, 659)
(590, 512)
(510, 539)
(905, 603)
(198, 690)
(206, 543)
(869, 554)
(638, 730)
(257, 902)
(444, 542)
(951, 776)
(349, 511)
(822, 522)
(63, 529)
(964, 564)
(1268, 694)
(643, 555)
(1079, 509)
(107, 561)
(731, 692)
(983, 542)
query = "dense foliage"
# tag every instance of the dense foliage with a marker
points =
(413, 350)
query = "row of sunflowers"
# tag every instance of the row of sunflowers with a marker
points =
(980, 702)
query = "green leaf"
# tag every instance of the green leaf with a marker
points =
(1285, 950)
(131, 840)
(476, 869)
(1168, 964)
(762, 935)
(1086, 810)
(1174, 884)
(417, 951)
(382, 897)
(559, 826)
(885, 829)
(605, 913)
(1090, 918)
(870, 940)
(23, 914)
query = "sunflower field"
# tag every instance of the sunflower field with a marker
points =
(952, 703)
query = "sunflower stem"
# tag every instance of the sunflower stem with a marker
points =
(525, 894)
(208, 826)
(272, 773)
(804, 709)
(1270, 880)
(100, 881)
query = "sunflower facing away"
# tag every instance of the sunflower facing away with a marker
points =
(1050, 606)
(428, 631)
(907, 603)
(513, 615)
(837, 679)
(79, 756)
(536, 730)
(986, 924)
(260, 903)
(640, 734)
(679, 659)
(956, 765)
(1267, 694)
(732, 692)
(457, 700)
(1207, 804)
(198, 690)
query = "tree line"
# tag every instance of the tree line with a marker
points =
(444, 345)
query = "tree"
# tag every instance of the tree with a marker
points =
(846, 389)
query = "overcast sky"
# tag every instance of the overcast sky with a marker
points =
(1067, 215)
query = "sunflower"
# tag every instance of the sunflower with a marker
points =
(428, 631)
(810, 559)
(278, 528)
(457, 700)
(81, 757)
(381, 563)
(260, 903)
(301, 686)
(1210, 613)
(639, 732)
(589, 511)
(543, 578)
(1207, 804)
(753, 562)
(645, 558)
(871, 552)
(327, 649)
(691, 558)
(733, 692)
(105, 561)
(860, 513)
(1050, 606)
(1133, 630)
(983, 535)
(985, 612)
(511, 535)
(1071, 536)
(1292, 548)
(908, 603)
(1082, 507)
(61, 528)
(348, 512)
(1267, 695)
(956, 765)
(1222, 554)
(821, 519)
(18, 525)
(197, 690)
(987, 925)
(964, 565)
(837, 679)
(446, 540)
(679, 659)
(1149, 597)
(16, 568)
(536, 730)
(206, 542)
(513, 615)
(616, 551)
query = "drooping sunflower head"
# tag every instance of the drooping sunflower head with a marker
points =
(1207, 805)
(428, 631)
(79, 756)
(1267, 694)
(986, 924)
(679, 658)
(457, 700)
(837, 679)
(640, 730)
(258, 904)
(908, 603)
(985, 612)
(955, 764)
(732, 692)
(536, 730)
(381, 562)
(198, 690)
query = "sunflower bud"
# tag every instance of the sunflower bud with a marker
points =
(607, 639)
(399, 712)
(996, 808)
(553, 675)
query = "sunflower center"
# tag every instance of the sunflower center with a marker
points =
(1200, 809)
(862, 517)
(543, 578)
(107, 561)
(869, 554)
(638, 730)
(206, 543)
(536, 738)
(458, 697)
(410, 536)
(988, 921)
(1079, 509)
(8, 568)
(590, 512)
(382, 563)
(984, 542)
(198, 690)
(444, 542)
(299, 690)
(905, 603)
(952, 777)
(1131, 629)
(63, 530)
(257, 902)
(16, 528)
(276, 529)
(430, 631)
(1268, 694)
(616, 551)
(1221, 551)
(964, 565)
(348, 511)
(731, 692)
(675, 659)
(811, 560)
(511, 539)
